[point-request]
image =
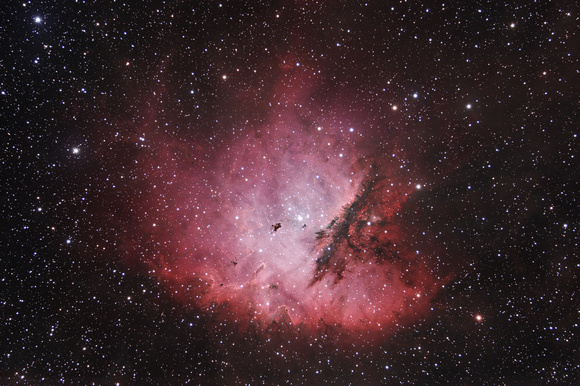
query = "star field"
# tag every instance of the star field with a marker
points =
(290, 192)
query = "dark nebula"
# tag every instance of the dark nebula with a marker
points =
(290, 192)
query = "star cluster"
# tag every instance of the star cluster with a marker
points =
(289, 192)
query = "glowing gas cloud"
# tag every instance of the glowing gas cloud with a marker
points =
(292, 222)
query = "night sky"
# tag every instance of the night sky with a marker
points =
(301, 192)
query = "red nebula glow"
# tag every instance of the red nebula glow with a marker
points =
(286, 226)
(294, 222)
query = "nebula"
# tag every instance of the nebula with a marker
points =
(292, 222)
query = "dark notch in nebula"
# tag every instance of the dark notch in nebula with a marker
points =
(367, 230)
